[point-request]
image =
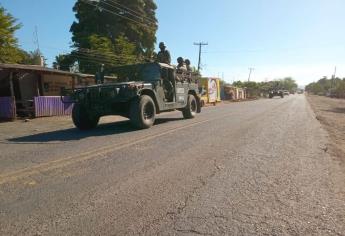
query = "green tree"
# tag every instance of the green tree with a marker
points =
(113, 32)
(289, 84)
(9, 51)
(63, 62)
(32, 58)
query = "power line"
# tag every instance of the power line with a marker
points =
(200, 45)
(101, 58)
(130, 12)
(117, 14)
(127, 8)
(97, 61)
(97, 52)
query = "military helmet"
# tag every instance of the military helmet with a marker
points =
(180, 60)
(187, 61)
(161, 44)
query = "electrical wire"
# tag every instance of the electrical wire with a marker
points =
(117, 14)
(97, 52)
(99, 60)
(129, 9)
(135, 14)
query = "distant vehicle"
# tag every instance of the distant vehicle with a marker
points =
(286, 92)
(300, 91)
(143, 91)
(274, 93)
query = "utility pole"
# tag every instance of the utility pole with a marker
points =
(200, 45)
(250, 73)
(333, 78)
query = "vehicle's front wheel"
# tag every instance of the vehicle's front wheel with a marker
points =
(82, 119)
(142, 112)
(190, 110)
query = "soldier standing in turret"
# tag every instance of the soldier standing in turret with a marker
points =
(163, 55)
(180, 65)
(187, 62)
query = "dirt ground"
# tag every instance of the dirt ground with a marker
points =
(331, 113)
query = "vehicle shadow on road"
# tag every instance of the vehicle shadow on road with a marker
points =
(159, 121)
(76, 134)
(336, 110)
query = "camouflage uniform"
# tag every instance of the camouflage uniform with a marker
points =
(187, 62)
(181, 66)
(163, 55)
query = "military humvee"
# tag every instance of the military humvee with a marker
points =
(140, 92)
(273, 93)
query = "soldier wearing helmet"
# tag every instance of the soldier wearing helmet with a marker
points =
(163, 55)
(188, 67)
(180, 64)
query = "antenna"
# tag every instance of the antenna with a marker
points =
(36, 42)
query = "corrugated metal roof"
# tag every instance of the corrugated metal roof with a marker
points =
(34, 68)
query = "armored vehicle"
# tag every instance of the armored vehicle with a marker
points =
(140, 92)
(273, 93)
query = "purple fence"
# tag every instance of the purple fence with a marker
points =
(7, 108)
(52, 106)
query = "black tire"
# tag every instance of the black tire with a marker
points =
(189, 111)
(142, 112)
(282, 96)
(82, 119)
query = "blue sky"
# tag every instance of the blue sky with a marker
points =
(299, 38)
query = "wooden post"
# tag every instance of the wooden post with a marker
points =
(73, 81)
(11, 84)
(39, 83)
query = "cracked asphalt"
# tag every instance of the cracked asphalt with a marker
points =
(250, 168)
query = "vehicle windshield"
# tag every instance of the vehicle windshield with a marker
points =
(139, 72)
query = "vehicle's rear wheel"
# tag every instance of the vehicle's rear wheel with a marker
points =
(190, 110)
(142, 112)
(282, 95)
(82, 119)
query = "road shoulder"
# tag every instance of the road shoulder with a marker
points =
(331, 114)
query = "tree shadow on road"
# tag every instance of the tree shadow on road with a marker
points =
(76, 134)
(336, 110)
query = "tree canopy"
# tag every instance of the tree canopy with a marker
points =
(9, 51)
(9, 48)
(334, 87)
(111, 32)
(256, 88)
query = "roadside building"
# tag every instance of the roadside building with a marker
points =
(234, 93)
(30, 90)
(210, 90)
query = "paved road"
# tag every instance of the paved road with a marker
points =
(252, 168)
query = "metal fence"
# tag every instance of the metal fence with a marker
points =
(52, 106)
(7, 108)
